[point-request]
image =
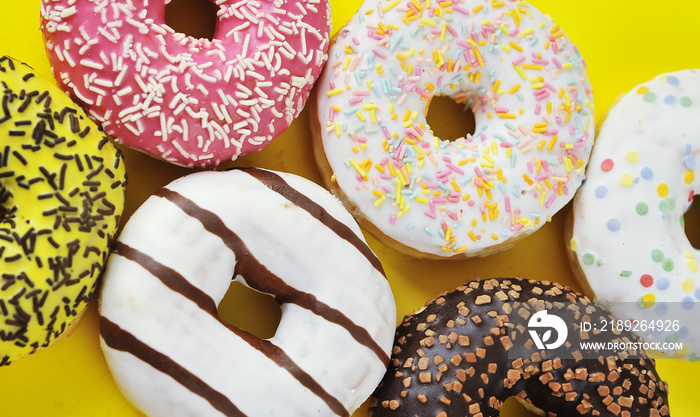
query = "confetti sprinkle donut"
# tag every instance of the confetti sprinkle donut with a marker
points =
(62, 193)
(279, 234)
(518, 73)
(469, 350)
(193, 102)
(627, 237)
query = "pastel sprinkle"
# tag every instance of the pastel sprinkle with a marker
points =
(642, 209)
(607, 165)
(614, 225)
(689, 161)
(667, 205)
(626, 180)
(601, 191)
(528, 151)
(649, 142)
(667, 264)
(632, 157)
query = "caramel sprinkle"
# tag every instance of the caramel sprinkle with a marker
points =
(482, 373)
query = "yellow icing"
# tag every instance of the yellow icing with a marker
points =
(62, 192)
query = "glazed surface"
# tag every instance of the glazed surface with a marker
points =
(193, 102)
(279, 234)
(62, 193)
(469, 350)
(509, 64)
(628, 237)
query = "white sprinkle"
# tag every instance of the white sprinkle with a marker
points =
(127, 111)
(124, 91)
(180, 149)
(132, 129)
(203, 90)
(217, 111)
(227, 116)
(185, 131)
(244, 49)
(69, 58)
(83, 98)
(180, 108)
(238, 28)
(100, 92)
(107, 35)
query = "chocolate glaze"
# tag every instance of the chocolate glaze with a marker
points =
(469, 350)
(176, 282)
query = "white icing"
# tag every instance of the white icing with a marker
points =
(512, 65)
(628, 234)
(293, 245)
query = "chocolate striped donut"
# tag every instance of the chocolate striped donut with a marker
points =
(276, 233)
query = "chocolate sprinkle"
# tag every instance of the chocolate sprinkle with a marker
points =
(39, 167)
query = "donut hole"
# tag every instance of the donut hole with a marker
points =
(514, 406)
(250, 310)
(691, 220)
(450, 120)
(195, 18)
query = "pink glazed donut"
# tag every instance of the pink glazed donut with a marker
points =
(192, 102)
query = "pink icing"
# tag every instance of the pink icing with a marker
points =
(193, 102)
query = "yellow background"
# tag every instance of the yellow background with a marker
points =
(624, 42)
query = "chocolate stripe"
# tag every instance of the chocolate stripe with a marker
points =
(257, 275)
(168, 276)
(119, 339)
(176, 282)
(278, 185)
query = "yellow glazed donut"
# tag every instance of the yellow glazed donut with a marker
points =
(62, 192)
(511, 65)
(627, 239)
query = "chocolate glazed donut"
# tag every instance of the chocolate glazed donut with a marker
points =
(469, 350)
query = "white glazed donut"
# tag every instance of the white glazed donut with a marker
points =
(628, 240)
(277, 233)
(193, 102)
(509, 63)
